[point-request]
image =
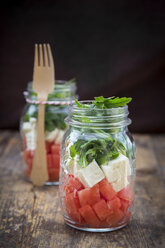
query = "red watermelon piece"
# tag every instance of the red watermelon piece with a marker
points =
(73, 184)
(53, 174)
(30, 162)
(49, 161)
(48, 146)
(106, 190)
(56, 161)
(28, 157)
(30, 153)
(89, 196)
(89, 216)
(53, 160)
(55, 149)
(126, 194)
(101, 209)
(115, 218)
(72, 205)
(124, 206)
(114, 204)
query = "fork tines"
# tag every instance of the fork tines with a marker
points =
(43, 55)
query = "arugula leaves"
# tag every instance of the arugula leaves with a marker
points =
(52, 119)
(111, 102)
(60, 90)
(106, 103)
(102, 150)
(80, 105)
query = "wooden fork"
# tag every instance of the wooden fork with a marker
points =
(43, 84)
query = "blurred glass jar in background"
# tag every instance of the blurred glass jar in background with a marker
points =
(97, 171)
(56, 110)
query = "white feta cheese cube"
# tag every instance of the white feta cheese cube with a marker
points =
(73, 165)
(77, 166)
(26, 127)
(31, 140)
(33, 120)
(117, 168)
(70, 166)
(30, 131)
(51, 136)
(90, 175)
(120, 183)
(59, 137)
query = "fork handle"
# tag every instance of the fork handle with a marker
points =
(39, 174)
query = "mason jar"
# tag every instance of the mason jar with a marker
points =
(97, 174)
(56, 110)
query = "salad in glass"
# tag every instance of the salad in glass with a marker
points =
(97, 172)
(56, 110)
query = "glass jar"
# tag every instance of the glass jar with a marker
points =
(56, 110)
(97, 173)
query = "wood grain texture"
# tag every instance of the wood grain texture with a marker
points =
(30, 217)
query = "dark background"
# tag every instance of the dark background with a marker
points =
(110, 47)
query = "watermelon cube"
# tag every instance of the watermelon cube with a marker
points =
(126, 194)
(89, 216)
(55, 149)
(48, 147)
(106, 190)
(72, 205)
(124, 206)
(101, 209)
(53, 174)
(49, 161)
(115, 218)
(30, 153)
(29, 162)
(73, 184)
(89, 196)
(56, 161)
(114, 204)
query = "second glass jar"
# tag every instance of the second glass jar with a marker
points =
(56, 110)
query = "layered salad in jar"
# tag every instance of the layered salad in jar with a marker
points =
(98, 166)
(56, 110)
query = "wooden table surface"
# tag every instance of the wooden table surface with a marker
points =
(30, 217)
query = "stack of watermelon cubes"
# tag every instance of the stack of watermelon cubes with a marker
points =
(96, 207)
(53, 160)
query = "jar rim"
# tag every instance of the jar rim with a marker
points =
(75, 107)
(64, 91)
(59, 85)
(96, 117)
